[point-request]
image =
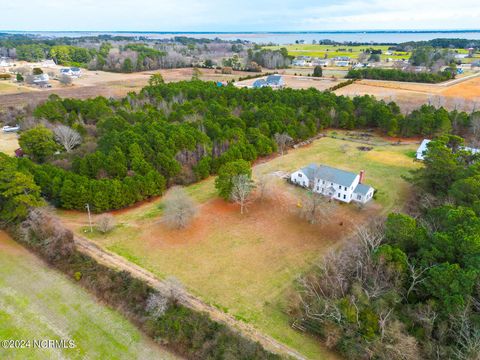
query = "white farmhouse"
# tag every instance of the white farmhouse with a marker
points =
(338, 184)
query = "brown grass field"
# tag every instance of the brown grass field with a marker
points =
(245, 265)
(101, 83)
(8, 143)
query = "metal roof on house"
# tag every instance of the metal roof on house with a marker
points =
(324, 172)
(362, 189)
(274, 79)
(259, 83)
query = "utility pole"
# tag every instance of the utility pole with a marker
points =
(89, 217)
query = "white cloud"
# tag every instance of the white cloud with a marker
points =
(229, 15)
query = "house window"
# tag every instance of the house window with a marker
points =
(359, 197)
(318, 188)
(323, 182)
(344, 197)
(339, 195)
(300, 175)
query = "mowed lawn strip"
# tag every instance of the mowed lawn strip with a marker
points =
(39, 303)
(246, 264)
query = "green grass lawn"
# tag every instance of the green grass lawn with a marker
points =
(245, 265)
(37, 302)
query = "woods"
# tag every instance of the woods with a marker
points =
(113, 153)
(401, 75)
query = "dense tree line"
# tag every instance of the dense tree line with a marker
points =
(409, 289)
(400, 75)
(130, 149)
(442, 43)
(271, 59)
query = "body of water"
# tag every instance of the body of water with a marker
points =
(281, 37)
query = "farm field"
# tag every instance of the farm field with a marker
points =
(246, 265)
(101, 83)
(8, 143)
(413, 95)
(37, 302)
(331, 51)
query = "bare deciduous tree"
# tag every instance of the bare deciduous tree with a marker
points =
(315, 207)
(242, 187)
(283, 141)
(67, 137)
(105, 223)
(156, 305)
(179, 208)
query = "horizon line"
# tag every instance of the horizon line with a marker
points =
(250, 31)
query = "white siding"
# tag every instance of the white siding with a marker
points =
(299, 178)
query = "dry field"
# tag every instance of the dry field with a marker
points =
(37, 302)
(245, 265)
(101, 83)
(461, 94)
(8, 143)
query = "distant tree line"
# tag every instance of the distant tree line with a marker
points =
(400, 75)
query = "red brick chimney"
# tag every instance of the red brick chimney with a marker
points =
(362, 176)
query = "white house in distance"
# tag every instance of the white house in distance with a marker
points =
(72, 71)
(273, 81)
(422, 149)
(336, 183)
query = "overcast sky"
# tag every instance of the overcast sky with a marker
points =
(238, 15)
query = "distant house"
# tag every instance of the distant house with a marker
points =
(48, 63)
(320, 62)
(260, 83)
(335, 183)
(423, 148)
(66, 71)
(461, 56)
(273, 81)
(342, 58)
(298, 62)
(76, 72)
(342, 63)
(5, 62)
(10, 128)
(38, 79)
(72, 71)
